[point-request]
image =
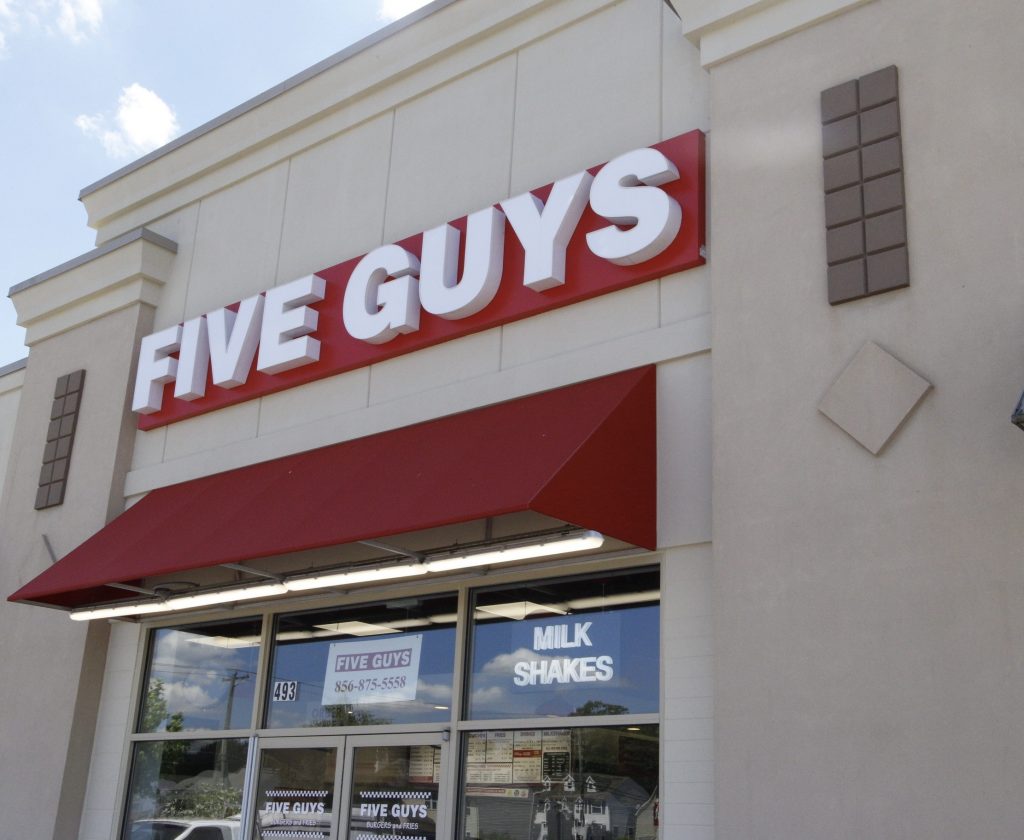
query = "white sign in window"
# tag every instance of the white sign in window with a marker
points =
(372, 671)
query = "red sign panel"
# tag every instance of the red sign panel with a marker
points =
(586, 276)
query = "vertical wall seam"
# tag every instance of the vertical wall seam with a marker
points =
(387, 177)
(284, 215)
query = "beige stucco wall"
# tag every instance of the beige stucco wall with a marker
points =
(870, 610)
(51, 666)
(10, 397)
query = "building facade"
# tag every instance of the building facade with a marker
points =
(381, 454)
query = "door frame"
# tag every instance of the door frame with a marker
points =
(335, 742)
(345, 746)
(408, 739)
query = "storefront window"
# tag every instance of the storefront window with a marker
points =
(572, 648)
(178, 785)
(381, 664)
(586, 783)
(201, 677)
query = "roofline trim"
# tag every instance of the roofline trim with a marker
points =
(272, 93)
(118, 242)
(13, 367)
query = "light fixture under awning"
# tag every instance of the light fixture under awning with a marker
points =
(584, 454)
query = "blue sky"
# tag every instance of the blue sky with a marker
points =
(87, 86)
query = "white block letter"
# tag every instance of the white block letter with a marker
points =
(377, 308)
(442, 292)
(193, 360)
(233, 341)
(155, 368)
(545, 229)
(285, 340)
(626, 192)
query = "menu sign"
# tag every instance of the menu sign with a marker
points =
(424, 764)
(378, 670)
(521, 756)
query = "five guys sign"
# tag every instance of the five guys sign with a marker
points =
(637, 217)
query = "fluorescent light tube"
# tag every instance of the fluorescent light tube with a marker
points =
(117, 611)
(359, 576)
(224, 596)
(579, 541)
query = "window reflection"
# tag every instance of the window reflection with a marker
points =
(572, 648)
(201, 677)
(376, 664)
(177, 785)
(295, 793)
(594, 783)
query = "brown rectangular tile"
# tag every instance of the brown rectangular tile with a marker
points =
(57, 409)
(50, 451)
(71, 402)
(883, 194)
(879, 87)
(840, 136)
(46, 474)
(882, 158)
(53, 430)
(76, 380)
(60, 469)
(885, 231)
(42, 494)
(888, 270)
(844, 243)
(63, 447)
(67, 425)
(842, 171)
(843, 206)
(62, 386)
(880, 123)
(846, 281)
(838, 102)
(55, 496)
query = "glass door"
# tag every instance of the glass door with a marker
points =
(393, 787)
(295, 796)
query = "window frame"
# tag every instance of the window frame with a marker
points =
(463, 586)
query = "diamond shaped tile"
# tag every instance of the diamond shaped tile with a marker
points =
(873, 396)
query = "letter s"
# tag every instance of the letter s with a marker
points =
(626, 192)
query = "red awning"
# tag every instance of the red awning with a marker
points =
(584, 454)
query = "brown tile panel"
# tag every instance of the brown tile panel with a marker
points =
(865, 216)
(60, 438)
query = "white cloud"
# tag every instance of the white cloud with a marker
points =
(504, 663)
(395, 9)
(77, 19)
(187, 697)
(143, 122)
